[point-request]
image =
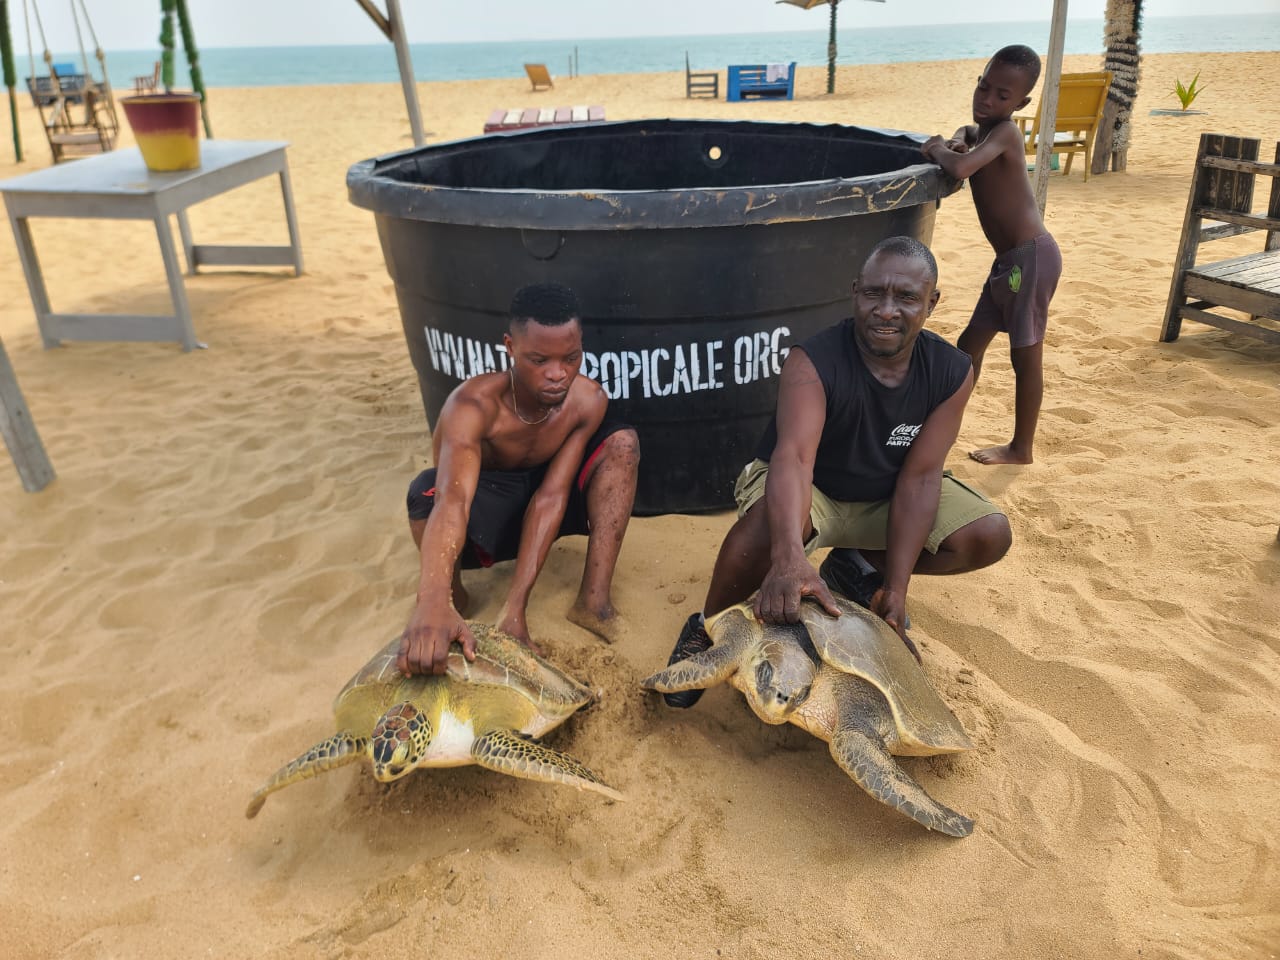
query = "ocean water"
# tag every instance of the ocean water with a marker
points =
(285, 66)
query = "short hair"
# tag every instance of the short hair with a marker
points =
(550, 304)
(908, 247)
(1020, 57)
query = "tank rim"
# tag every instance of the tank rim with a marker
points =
(371, 186)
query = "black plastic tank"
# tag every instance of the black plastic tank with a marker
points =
(700, 250)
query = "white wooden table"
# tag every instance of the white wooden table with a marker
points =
(118, 186)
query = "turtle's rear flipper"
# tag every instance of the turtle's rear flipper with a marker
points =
(337, 751)
(507, 751)
(876, 771)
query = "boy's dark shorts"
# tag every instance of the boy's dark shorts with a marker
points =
(1015, 298)
(502, 497)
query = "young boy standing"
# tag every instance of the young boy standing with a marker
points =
(990, 154)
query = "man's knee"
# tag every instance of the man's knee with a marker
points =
(622, 447)
(982, 542)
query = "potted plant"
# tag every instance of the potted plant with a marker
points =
(167, 125)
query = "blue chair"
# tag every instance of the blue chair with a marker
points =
(751, 82)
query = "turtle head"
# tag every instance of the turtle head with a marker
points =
(782, 668)
(399, 741)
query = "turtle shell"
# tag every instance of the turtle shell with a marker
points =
(858, 642)
(501, 661)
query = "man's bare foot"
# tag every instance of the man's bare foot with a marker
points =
(604, 625)
(1001, 454)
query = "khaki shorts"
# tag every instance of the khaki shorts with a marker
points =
(866, 525)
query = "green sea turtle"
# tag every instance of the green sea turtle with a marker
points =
(486, 712)
(849, 681)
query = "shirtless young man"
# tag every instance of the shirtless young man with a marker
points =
(523, 456)
(991, 154)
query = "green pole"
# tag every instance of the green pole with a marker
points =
(166, 44)
(831, 50)
(193, 61)
(10, 76)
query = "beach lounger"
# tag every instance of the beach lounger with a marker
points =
(1222, 191)
(521, 118)
(538, 76)
(1081, 98)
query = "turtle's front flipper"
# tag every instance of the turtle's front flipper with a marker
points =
(702, 670)
(873, 768)
(507, 751)
(338, 750)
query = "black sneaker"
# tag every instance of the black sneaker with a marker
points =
(693, 639)
(841, 573)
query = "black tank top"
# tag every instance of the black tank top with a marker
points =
(869, 426)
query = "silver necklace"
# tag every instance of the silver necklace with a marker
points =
(516, 407)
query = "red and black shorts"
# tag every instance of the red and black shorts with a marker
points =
(502, 497)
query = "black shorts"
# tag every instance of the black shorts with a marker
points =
(502, 497)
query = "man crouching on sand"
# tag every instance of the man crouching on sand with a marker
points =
(522, 456)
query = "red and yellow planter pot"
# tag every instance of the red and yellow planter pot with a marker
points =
(167, 128)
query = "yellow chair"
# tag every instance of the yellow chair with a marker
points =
(538, 75)
(1081, 99)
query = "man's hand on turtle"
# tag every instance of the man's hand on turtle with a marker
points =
(891, 607)
(785, 586)
(424, 645)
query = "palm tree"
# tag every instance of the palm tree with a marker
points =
(1120, 33)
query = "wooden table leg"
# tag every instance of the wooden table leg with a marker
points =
(177, 290)
(35, 280)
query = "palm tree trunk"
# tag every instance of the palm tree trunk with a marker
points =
(1120, 33)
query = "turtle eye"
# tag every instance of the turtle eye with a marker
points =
(764, 675)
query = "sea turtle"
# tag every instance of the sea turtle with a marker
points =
(849, 681)
(486, 712)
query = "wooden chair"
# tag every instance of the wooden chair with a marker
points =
(538, 76)
(1222, 191)
(1081, 98)
(69, 139)
(700, 84)
(148, 82)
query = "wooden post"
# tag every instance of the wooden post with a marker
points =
(1049, 102)
(20, 433)
(396, 20)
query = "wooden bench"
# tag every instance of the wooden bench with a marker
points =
(1222, 191)
(521, 118)
(71, 86)
(751, 82)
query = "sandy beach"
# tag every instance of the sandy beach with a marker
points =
(225, 544)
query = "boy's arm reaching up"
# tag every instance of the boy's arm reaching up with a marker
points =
(1003, 137)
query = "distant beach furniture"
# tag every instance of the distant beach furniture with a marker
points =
(705, 84)
(761, 81)
(538, 76)
(148, 82)
(521, 118)
(1222, 191)
(1081, 98)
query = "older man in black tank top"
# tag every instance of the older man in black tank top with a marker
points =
(867, 411)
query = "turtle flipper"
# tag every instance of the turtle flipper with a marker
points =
(337, 751)
(874, 769)
(702, 670)
(509, 752)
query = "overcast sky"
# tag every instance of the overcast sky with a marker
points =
(133, 24)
